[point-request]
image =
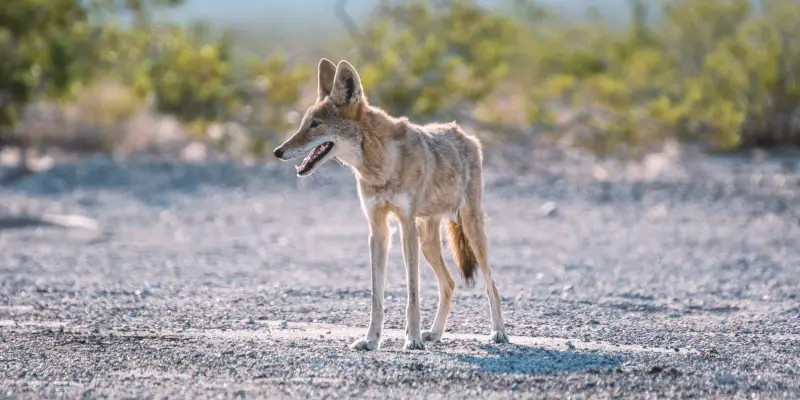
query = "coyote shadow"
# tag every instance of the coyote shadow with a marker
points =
(520, 359)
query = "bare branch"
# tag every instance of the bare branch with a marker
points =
(351, 26)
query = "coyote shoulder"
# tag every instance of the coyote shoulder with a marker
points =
(421, 174)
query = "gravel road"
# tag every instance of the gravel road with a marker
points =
(233, 281)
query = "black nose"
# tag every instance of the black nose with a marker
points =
(278, 152)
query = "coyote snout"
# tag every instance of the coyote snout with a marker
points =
(310, 140)
(420, 174)
(316, 157)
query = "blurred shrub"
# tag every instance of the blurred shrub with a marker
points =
(106, 103)
(714, 70)
(422, 58)
(280, 85)
(724, 72)
(37, 57)
(185, 71)
(189, 79)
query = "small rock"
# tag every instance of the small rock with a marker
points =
(726, 379)
(657, 212)
(570, 345)
(655, 370)
(548, 209)
(194, 152)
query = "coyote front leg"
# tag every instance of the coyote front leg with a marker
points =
(378, 250)
(410, 239)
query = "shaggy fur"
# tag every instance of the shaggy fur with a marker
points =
(462, 253)
(419, 174)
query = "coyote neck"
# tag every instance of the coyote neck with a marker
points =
(379, 152)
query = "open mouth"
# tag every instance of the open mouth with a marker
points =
(312, 158)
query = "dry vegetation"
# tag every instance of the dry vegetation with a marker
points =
(723, 73)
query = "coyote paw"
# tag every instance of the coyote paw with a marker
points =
(364, 344)
(431, 336)
(414, 344)
(500, 337)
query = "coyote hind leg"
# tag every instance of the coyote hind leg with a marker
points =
(473, 224)
(430, 239)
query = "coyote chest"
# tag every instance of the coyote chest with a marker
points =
(399, 202)
(407, 204)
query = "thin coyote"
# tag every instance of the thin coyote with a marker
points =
(421, 175)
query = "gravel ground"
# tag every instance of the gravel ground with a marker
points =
(233, 281)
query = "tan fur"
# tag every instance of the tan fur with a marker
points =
(462, 253)
(421, 174)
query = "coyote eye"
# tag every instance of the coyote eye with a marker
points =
(315, 123)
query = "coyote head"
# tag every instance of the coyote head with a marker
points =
(330, 128)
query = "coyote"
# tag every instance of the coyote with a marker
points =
(419, 174)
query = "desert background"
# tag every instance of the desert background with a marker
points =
(642, 192)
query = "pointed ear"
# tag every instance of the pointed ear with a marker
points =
(327, 71)
(347, 89)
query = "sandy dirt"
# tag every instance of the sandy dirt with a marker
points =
(228, 281)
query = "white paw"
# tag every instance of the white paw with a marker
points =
(431, 336)
(500, 336)
(364, 344)
(414, 343)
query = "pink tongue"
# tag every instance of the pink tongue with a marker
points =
(310, 157)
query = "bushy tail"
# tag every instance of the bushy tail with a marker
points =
(461, 250)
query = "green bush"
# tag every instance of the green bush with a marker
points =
(719, 71)
(421, 59)
(37, 55)
(704, 70)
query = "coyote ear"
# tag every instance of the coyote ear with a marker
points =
(347, 89)
(327, 71)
